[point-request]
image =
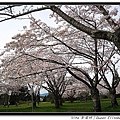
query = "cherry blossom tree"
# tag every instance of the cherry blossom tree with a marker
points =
(50, 45)
(98, 25)
(108, 57)
(111, 86)
(8, 89)
(35, 93)
(14, 71)
(56, 84)
(25, 71)
(63, 58)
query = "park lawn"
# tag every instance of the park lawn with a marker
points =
(67, 107)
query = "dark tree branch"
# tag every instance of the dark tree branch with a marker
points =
(92, 32)
(30, 74)
(6, 14)
(78, 78)
(104, 86)
(25, 13)
(46, 60)
(75, 51)
(10, 6)
(105, 13)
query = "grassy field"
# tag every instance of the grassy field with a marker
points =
(67, 107)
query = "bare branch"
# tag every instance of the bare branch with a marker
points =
(10, 6)
(105, 13)
(25, 13)
(78, 78)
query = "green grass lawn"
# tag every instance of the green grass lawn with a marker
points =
(67, 107)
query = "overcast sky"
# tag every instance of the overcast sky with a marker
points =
(11, 27)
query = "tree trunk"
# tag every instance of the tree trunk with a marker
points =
(86, 98)
(113, 98)
(61, 101)
(34, 103)
(71, 99)
(34, 100)
(38, 100)
(96, 100)
(56, 101)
